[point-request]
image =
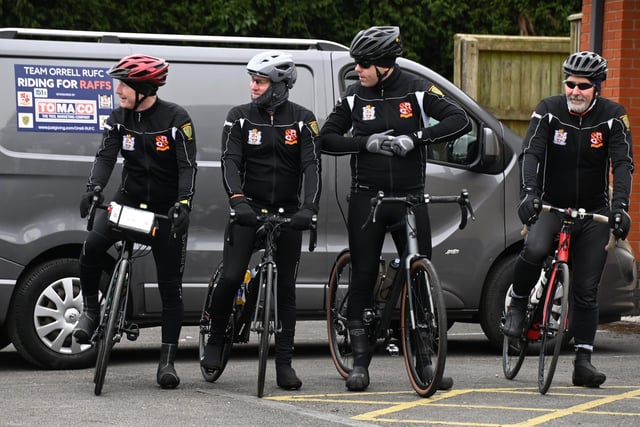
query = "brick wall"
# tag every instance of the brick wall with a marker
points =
(620, 46)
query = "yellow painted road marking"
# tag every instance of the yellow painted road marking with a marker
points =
(440, 400)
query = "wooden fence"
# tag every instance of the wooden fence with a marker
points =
(509, 75)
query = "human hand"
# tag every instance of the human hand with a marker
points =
(620, 223)
(245, 215)
(400, 145)
(529, 208)
(179, 217)
(375, 143)
(302, 219)
(86, 200)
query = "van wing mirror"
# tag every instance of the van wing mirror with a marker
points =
(491, 149)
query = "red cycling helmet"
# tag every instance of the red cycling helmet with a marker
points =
(141, 72)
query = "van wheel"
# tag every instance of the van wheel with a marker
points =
(45, 309)
(492, 302)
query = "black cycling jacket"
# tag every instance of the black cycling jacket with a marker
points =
(403, 103)
(566, 158)
(159, 150)
(265, 156)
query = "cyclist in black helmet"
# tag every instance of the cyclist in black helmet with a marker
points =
(572, 143)
(270, 159)
(157, 141)
(384, 112)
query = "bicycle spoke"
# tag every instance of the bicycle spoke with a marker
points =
(553, 328)
(424, 329)
(338, 298)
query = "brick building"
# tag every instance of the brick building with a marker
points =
(612, 28)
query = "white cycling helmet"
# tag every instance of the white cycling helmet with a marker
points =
(275, 65)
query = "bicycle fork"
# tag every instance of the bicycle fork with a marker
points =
(271, 270)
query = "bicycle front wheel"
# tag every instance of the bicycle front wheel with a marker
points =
(424, 328)
(265, 330)
(338, 299)
(514, 350)
(554, 325)
(111, 311)
(206, 329)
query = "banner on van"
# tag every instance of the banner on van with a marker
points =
(61, 98)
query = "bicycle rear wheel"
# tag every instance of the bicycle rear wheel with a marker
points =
(265, 330)
(111, 311)
(514, 350)
(338, 299)
(554, 326)
(206, 329)
(424, 332)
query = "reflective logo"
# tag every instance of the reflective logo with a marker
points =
(255, 137)
(162, 143)
(290, 137)
(596, 140)
(368, 112)
(128, 142)
(406, 110)
(560, 137)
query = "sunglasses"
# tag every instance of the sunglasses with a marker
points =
(364, 64)
(581, 86)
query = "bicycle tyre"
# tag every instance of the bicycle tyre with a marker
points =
(555, 325)
(265, 330)
(113, 308)
(514, 351)
(425, 348)
(206, 328)
(338, 299)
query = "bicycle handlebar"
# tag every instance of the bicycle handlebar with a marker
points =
(275, 219)
(95, 205)
(574, 213)
(412, 200)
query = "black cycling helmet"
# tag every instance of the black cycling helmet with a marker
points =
(275, 65)
(377, 44)
(143, 73)
(586, 64)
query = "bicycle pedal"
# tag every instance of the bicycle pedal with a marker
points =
(132, 331)
(393, 350)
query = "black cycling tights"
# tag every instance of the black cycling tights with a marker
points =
(366, 245)
(168, 253)
(236, 259)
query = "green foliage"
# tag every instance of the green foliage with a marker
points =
(427, 26)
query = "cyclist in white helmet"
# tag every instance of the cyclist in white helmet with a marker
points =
(270, 159)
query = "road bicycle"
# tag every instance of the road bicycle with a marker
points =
(547, 314)
(255, 307)
(415, 289)
(113, 322)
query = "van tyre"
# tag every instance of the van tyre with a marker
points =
(55, 286)
(492, 302)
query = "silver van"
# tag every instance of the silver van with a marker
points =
(54, 97)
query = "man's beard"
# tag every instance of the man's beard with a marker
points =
(577, 104)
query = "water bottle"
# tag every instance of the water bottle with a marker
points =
(536, 292)
(241, 294)
(385, 286)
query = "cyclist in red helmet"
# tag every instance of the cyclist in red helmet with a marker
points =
(157, 141)
(572, 144)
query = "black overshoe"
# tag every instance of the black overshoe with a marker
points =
(286, 377)
(358, 379)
